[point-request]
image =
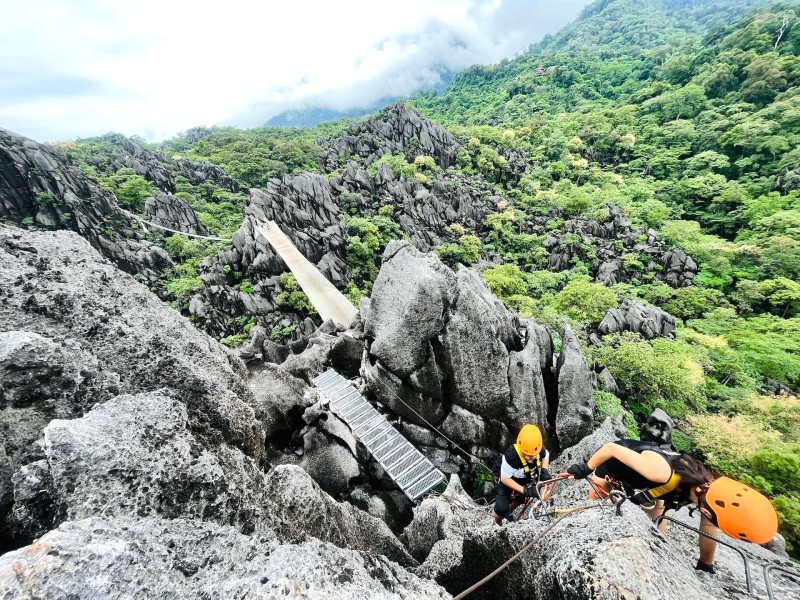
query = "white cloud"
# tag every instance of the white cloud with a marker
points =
(154, 68)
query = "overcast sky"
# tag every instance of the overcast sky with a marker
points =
(154, 68)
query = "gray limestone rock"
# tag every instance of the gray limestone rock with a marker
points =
(346, 355)
(659, 428)
(299, 508)
(444, 518)
(135, 455)
(528, 396)
(465, 427)
(183, 559)
(401, 397)
(37, 181)
(575, 415)
(397, 129)
(312, 361)
(274, 352)
(55, 285)
(255, 345)
(411, 295)
(279, 398)
(475, 345)
(173, 213)
(332, 464)
(649, 321)
(606, 382)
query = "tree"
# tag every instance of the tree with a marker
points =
(585, 301)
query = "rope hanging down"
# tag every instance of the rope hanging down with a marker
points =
(478, 460)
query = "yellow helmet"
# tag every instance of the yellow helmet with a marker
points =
(741, 512)
(529, 440)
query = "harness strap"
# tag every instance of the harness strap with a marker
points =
(525, 465)
(663, 490)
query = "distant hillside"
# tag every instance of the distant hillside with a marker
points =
(312, 116)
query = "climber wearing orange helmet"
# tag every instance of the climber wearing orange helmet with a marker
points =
(660, 480)
(517, 470)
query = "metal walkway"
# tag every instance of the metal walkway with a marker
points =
(406, 465)
(328, 301)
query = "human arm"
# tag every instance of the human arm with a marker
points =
(508, 482)
(648, 464)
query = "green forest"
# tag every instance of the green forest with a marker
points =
(683, 114)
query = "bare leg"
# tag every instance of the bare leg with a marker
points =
(656, 512)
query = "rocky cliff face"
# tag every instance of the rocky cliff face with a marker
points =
(161, 169)
(173, 213)
(117, 408)
(306, 212)
(619, 253)
(37, 183)
(132, 450)
(398, 129)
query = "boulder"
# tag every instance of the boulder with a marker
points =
(407, 308)
(135, 456)
(475, 346)
(606, 382)
(402, 398)
(346, 355)
(528, 396)
(279, 399)
(648, 321)
(659, 428)
(575, 416)
(312, 361)
(55, 285)
(299, 508)
(173, 213)
(179, 558)
(41, 380)
(274, 352)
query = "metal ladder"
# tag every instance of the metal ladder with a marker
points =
(407, 466)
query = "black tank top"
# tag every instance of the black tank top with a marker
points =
(625, 474)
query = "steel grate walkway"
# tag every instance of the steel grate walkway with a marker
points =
(406, 465)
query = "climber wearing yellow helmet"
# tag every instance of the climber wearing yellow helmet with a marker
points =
(517, 470)
(659, 480)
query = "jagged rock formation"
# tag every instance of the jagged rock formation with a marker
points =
(442, 349)
(424, 211)
(172, 212)
(304, 209)
(398, 129)
(161, 169)
(159, 425)
(178, 403)
(648, 321)
(179, 558)
(620, 254)
(659, 428)
(575, 414)
(38, 183)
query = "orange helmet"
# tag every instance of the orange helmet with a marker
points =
(530, 440)
(741, 512)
